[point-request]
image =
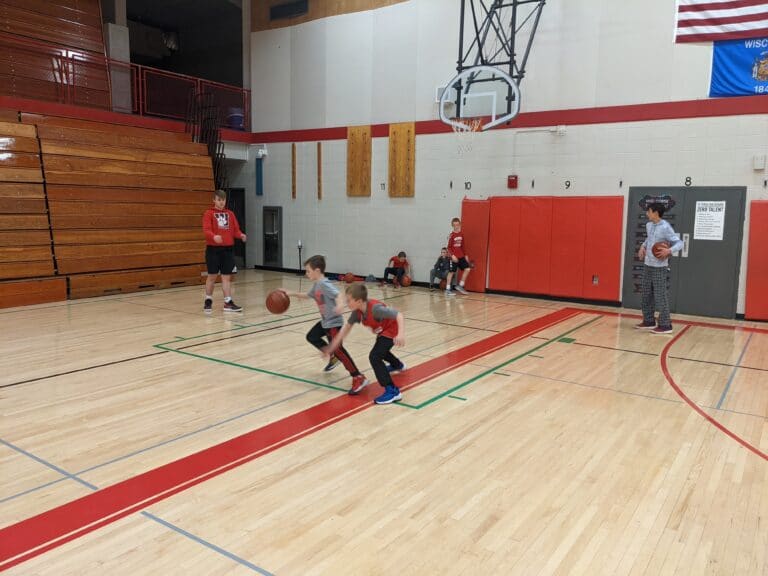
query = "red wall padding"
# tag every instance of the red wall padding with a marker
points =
(474, 224)
(602, 247)
(504, 243)
(556, 246)
(567, 257)
(757, 262)
(535, 244)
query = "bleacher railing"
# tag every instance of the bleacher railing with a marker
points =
(41, 71)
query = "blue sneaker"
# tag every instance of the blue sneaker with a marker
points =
(391, 394)
(392, 370)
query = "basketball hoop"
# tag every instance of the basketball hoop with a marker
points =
(465, 130)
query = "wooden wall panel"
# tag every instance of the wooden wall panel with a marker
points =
(89, 285)
(293, 171)
(26, 292)
(319, 170)
(359, 161)
(402, 160)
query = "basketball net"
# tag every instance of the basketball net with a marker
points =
(465, 133)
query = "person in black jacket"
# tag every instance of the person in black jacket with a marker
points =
(441, 269)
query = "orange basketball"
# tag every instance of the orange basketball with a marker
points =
(658, 247)
(278, 301)
(349, 277)
(406, 281)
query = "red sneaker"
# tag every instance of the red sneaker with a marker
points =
(644, 326)
(358, 383)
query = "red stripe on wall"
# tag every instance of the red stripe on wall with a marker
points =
(736, 106)
(38, 534)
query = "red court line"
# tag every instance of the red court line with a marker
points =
(692, 404)
(33, 536)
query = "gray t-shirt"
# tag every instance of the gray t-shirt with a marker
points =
(324, 294)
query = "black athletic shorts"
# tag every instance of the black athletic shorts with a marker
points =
(220, 259)
(463, 264)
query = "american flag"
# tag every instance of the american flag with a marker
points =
(710, 20)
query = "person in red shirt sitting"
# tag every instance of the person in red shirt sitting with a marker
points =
(398, 266)
(221, 229)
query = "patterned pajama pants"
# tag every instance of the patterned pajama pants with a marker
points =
(655, 297)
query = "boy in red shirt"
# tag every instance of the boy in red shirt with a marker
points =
(398, 266)
(389, 326)
(459, 259)
(221, 229)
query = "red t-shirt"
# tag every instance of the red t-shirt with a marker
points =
(395, 261)
(380, 318)
(456, 244)
(223, 223)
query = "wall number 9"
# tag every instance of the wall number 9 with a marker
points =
(567, 184)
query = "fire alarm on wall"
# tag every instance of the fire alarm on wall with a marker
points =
(512, 182)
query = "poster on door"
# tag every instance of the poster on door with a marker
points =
(710, 221)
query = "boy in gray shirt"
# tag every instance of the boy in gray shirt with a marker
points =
(328, 300)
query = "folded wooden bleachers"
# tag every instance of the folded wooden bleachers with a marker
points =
(26, 259)
(53, 50)
(125, 204)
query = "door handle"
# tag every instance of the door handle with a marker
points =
(686, 245)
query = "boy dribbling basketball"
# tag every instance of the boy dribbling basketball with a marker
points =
(328, 300)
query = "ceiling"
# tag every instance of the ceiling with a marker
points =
(181, 14)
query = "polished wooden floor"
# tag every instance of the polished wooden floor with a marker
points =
(581, 448)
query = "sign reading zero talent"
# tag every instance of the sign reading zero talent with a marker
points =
(710, 221)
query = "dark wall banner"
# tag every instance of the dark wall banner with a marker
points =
(740, 68)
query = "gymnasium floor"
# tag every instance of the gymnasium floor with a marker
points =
(534, 438)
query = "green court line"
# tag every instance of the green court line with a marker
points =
(251, 368)
(456, 397)
(534, 356)
(494, 369)
(567, 340)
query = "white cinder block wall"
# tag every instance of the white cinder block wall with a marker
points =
(383, 66)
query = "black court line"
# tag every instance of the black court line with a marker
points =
(739, 366)
(76, 370)
(111, 297)
(577, 343)
(114, 362)
(452, 325)
(724, 364)
(458, 298)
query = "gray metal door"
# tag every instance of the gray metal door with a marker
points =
(708, 274)
(704, 276)
(273, 243)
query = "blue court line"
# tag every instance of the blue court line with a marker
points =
(152, 447)
(47, 464)
(733, 372)
(173, 527)
(207, 544)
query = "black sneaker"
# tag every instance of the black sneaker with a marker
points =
(332, 363)
(208, 306)
(232, 307)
